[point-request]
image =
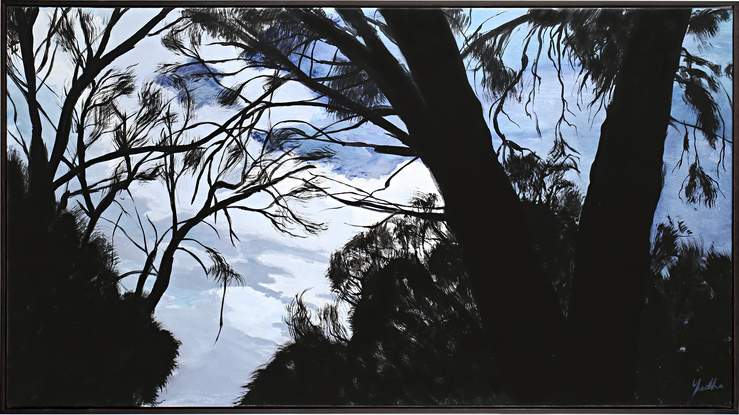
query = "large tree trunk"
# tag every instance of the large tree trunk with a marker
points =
(625, 184)
(523, 322)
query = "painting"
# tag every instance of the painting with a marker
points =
(223, 207)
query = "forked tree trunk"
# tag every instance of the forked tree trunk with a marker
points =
(625, 183)
(524, 326)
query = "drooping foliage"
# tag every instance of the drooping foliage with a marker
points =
(592, 42)
(73, 339)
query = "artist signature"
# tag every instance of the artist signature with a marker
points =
(712, 385)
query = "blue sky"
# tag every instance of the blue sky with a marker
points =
(276, 267)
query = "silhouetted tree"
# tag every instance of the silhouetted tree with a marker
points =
(108, 119)
(346, 59)
(228, 172)
(73, 339)
(636, 67)
(74, 33)
(156, 141)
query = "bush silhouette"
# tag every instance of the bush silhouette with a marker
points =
(73, 339)
(415, 333)
(686, 332)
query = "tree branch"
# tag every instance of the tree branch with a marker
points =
(94, 66)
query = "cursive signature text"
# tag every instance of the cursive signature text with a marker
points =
(710, 386)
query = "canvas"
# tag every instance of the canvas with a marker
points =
(227, 207)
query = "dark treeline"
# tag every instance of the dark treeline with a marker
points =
(416, 333)
(73, 339)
